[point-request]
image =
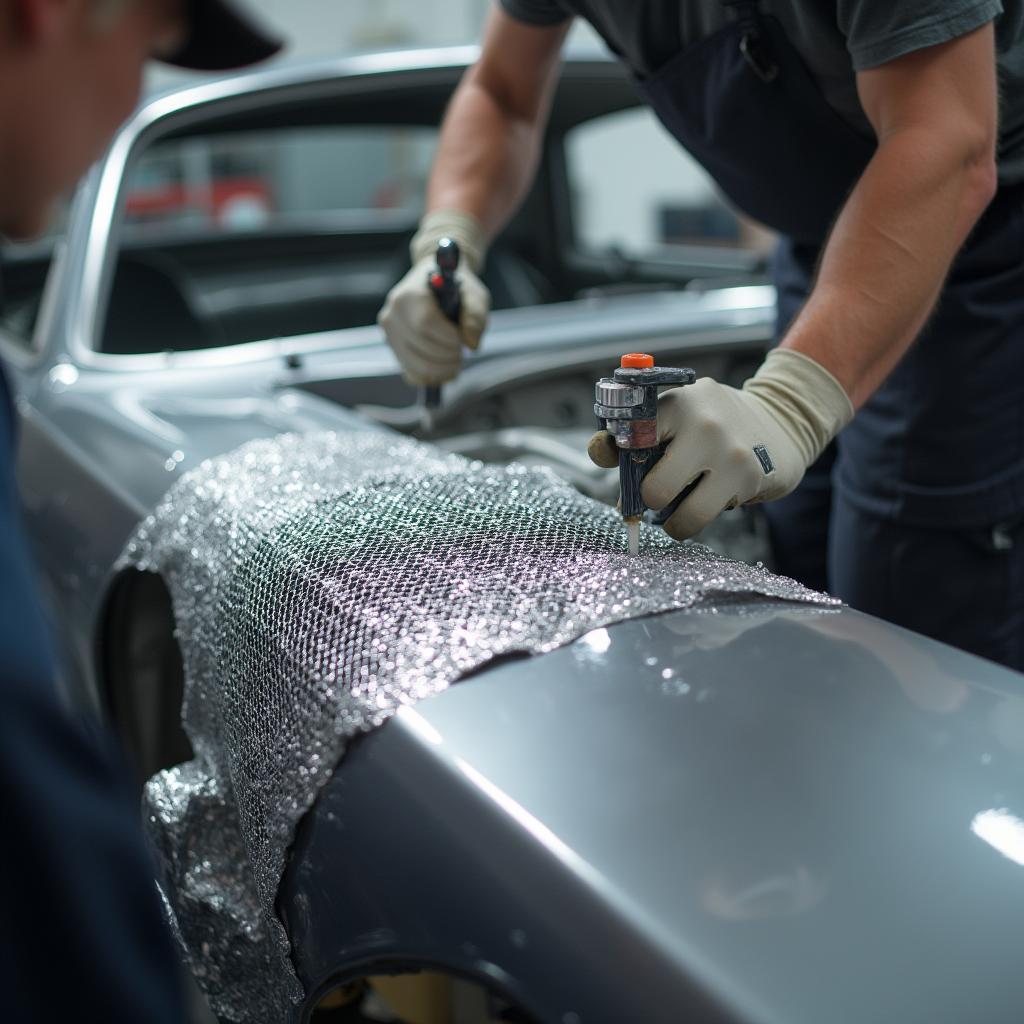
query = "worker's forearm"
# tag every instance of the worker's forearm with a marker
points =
(888, 255)
(486, 158)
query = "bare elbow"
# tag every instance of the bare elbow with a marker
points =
(982, 179)
(987, 176)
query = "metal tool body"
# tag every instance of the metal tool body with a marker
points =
(626, 405)
(442, 283)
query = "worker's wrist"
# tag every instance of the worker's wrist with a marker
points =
(807, 401)
(461, 227)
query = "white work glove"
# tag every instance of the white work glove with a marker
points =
(428, 345)
(747, 445)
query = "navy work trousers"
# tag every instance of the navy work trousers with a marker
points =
(962, 586)
(950, 571)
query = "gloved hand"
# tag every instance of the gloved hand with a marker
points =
(428, 345)
(747, 445)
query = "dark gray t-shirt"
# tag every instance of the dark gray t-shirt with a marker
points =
(835, 39)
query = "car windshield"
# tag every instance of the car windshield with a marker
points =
(240, 236)
(296, 219)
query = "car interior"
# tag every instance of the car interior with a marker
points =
(211, 229)
(212, 235)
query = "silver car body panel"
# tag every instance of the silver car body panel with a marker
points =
(766, 814)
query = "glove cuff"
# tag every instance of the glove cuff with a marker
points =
(461, 227)
(806, 400)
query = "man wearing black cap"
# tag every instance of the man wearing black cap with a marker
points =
(82, 933)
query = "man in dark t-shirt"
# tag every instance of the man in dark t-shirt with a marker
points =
(82, 936)
(866, 134)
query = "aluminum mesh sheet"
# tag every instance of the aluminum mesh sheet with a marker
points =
(320, 582)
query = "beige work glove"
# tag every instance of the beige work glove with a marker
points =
(747, 445)
(428, 345)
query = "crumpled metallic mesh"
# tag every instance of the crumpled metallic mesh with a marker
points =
(319, 582)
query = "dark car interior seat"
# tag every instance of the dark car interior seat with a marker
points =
(513, 281)
(157, 300)
(149, 310)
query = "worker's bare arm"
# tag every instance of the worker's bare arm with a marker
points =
(490, 139)
(934, 112)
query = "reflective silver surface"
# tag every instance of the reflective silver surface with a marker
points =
(321, 582)
(757, 814)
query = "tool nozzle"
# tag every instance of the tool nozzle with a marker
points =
(633, 537)
(430, 402)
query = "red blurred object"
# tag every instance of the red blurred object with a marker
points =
(215, 201)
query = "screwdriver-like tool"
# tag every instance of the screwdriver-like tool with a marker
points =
(626, 405)
(442, 283)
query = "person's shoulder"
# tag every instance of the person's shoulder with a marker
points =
(879, 31)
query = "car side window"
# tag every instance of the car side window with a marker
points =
(24, 271)
(245, 235)
(340, 175)
(637, 192)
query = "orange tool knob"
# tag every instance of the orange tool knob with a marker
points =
(637, 361)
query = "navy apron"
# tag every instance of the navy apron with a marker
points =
(940, 446)
(744, 105)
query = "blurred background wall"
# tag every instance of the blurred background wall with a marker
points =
(633, 187)
(319, 27)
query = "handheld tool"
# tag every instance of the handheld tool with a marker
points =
(446, 291)
(626, 404)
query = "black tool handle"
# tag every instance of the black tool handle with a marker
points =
(432, 396)
(442, 283)
(634, 465)
(442, 280)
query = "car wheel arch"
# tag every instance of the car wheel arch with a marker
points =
(140, 672)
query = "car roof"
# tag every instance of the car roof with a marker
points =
(407, 86)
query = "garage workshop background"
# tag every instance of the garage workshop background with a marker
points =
(636, 189)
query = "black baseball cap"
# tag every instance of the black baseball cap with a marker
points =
(220, 35)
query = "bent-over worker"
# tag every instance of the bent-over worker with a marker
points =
(865, 133)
